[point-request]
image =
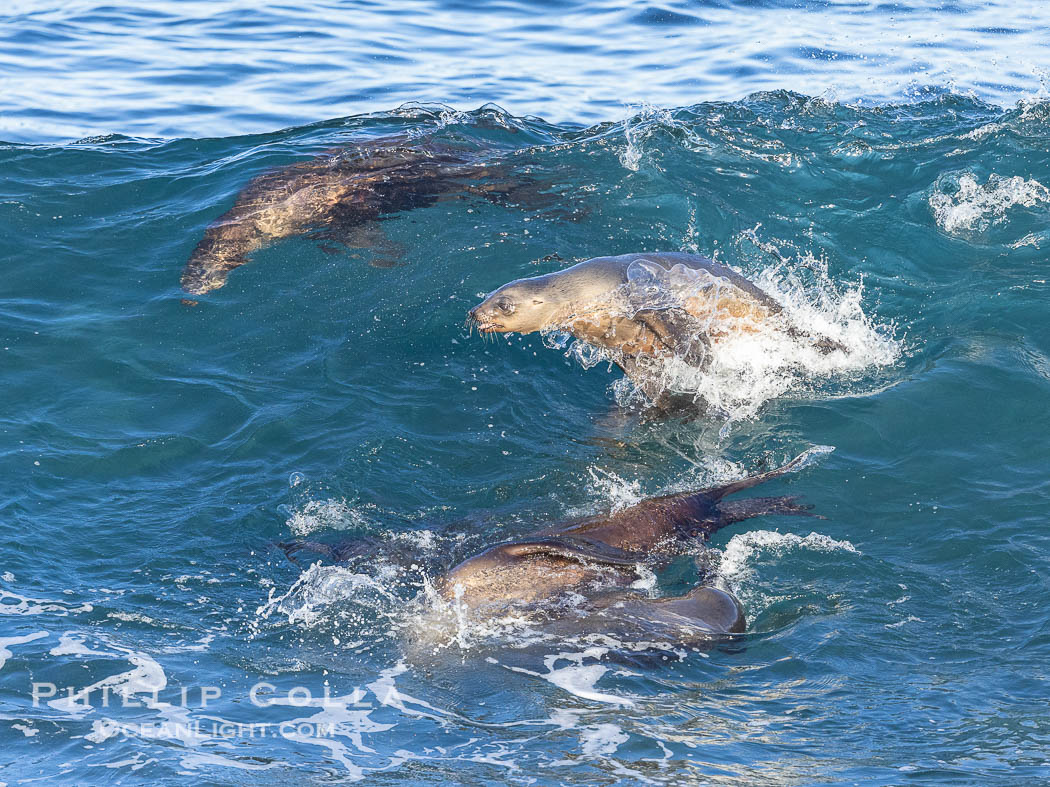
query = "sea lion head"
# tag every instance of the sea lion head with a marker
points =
(550, 301)
(523, 306)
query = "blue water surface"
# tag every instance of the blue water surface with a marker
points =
(218, 68)
(883, 169)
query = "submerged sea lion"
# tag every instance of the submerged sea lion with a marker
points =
(577, 575)
(341, 195)
(639, 307)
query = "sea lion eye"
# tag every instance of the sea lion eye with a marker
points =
(505, 306)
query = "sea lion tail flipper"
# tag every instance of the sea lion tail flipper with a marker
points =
(738, 510)
(797, 463)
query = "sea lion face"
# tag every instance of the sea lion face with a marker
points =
(523, 306)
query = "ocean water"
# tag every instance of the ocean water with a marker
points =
(881, 170)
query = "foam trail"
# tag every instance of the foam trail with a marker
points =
(577, 678)
(5, 652)
(14, 604)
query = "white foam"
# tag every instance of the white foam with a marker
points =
(385, 690)
(617, 492)
(317, 589)
(749, 369)
(133, 617)
(904, 622)
(736, 567)
(577, 678)
(146, 677)
(72, 644)
(564, 718)
(646, 581)
(15, 604)
(137, 687)
(135, 763)
(5, 652)
(960, 204)
(602, 740)
(342, 717)
(196, 759)
(751, 360)
(337, 725)
(329, 514)
(200, 646)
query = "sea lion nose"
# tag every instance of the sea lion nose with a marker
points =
(473, 313)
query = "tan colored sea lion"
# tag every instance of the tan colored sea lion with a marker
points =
(577, 576)
(341, 195)
(639, 307)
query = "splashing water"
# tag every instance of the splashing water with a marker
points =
(737, 572)
(960, 204)
(617, 492)
(317, 515)
(360, 380)
(321, 588)
(752, 359)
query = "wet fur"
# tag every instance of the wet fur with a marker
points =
(340, 197)
(597, 557)
(581, 301)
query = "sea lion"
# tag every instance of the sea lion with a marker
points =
(639, 307)
(576, 576)
(342, 194)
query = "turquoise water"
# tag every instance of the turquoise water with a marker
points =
(152, 452)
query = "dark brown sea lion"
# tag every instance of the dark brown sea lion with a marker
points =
(593, 562)
(639, 307)
(341, 196)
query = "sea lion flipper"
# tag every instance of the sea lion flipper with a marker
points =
(746, 483)
(679, 331)
(210, 264)
(824, 344)
(290, 548)
(739, 510)
(702, 512)
(380, 250)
